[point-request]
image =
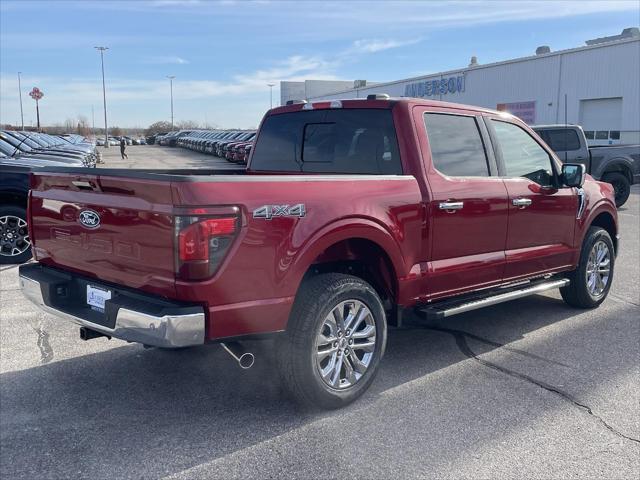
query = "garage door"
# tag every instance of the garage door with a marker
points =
(601, 119)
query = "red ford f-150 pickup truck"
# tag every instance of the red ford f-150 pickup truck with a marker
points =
(348, 214)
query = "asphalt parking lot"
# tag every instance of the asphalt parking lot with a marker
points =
(527, 389)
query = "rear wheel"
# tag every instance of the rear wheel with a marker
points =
(621, 186)
(591, 281)
(15, 245)
(336, 337)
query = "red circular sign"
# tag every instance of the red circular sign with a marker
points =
(36, 93)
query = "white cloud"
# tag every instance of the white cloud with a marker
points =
(166, 60)
(373, 46)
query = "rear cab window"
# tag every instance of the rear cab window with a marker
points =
(351, 140)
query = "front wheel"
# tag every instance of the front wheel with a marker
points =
(335, 339)
(590, 282)
(15, 245)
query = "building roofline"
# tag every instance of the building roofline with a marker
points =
(490, 65)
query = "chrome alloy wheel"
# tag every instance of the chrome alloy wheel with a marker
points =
(598, 269)
(345, 344)
(14, 236)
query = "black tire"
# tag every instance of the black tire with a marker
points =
(621, 185)
(8, 232)
(577, 293)
(296, 350)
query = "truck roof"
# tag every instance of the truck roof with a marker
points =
(377, 103)
(556, 125)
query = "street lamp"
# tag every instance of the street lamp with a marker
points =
(271, 93)
(171, 77)
(104, 96)
(20, 92)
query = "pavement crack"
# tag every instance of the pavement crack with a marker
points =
(461, 342)
(623, 300)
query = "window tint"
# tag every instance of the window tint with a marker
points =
(360, 141)
(602, 135)
(562, 140)
(589, 134)
(614, 134)
(522, 155)
(456, 145)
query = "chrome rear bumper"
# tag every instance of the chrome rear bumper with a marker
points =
(178, 326)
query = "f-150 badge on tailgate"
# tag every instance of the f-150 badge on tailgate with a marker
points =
(89, 219)
(270, 211)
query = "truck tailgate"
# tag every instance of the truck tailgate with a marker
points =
(117, 229)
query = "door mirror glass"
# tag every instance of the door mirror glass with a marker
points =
(573, 174)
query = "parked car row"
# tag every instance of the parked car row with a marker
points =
(18, 144)
(233, 145)
(20, 154)
(115, 141)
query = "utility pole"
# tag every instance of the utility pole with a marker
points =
(93, 122)
(171, 77)
(104, 96)
(20, 92)
(271, 94)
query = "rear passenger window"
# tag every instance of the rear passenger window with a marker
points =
(522, 155)
(456, 145)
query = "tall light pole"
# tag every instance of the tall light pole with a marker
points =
(271, 94)
(20, 92)
(104, 96)
(171, 77)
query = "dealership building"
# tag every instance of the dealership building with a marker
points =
(596, 85)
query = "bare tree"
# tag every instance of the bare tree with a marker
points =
(69, 125)
(83, 126)
(158, 127)
(115, 131)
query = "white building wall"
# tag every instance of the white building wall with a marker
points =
(599, 71)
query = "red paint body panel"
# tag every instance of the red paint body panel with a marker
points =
(431, 253)
(132, 247)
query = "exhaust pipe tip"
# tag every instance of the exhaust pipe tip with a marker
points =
(245, 359)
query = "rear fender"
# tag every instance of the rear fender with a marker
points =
(345, 229)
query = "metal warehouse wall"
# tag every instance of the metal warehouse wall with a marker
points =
(592, 72)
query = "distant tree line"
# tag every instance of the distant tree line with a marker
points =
(81, 126)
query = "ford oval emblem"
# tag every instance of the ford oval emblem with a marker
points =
(89, 219)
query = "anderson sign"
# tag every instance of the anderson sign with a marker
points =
(430, 88)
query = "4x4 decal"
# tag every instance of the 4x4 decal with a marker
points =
(270, 211)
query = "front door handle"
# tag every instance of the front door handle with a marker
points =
(451, 206)
(521, 202)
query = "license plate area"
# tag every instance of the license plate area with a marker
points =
(96, 298)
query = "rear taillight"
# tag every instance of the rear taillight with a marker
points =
(201, 244)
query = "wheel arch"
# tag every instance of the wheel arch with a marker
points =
(619, 165)
(362, 248)
(605, 220)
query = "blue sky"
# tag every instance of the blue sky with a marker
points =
(224, 54)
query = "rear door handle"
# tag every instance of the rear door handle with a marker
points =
(451, 206)
(521, 202)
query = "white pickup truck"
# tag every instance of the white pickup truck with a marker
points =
(618, 165)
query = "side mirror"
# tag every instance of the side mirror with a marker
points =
(573, 174)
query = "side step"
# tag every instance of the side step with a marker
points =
(448, 308)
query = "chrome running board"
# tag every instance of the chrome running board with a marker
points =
(448, 308)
